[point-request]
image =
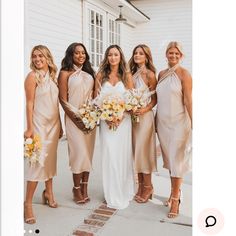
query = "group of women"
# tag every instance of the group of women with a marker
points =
(131, 148)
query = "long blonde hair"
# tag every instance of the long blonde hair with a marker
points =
(51, 65)
(105, 69)
(177, 45)
(149, 62)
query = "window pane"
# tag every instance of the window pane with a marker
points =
(92, 31)
(97, 60)
(92, 59)
(92, 17)
(101, 48)
(97, 19)
(92, 45)
(101, 21)
(101, 34)
(109, 25)
(97, 33)
(112, 26)
(97, 46)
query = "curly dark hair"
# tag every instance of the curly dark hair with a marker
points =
(67, 61)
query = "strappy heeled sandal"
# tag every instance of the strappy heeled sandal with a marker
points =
(86, 199)
(168, 202)
(28, 214)
(139, 193)
(77, 197)
(174, 214)
(146, 196)
(46, 201)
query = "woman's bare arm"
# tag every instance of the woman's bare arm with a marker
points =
(30, 87)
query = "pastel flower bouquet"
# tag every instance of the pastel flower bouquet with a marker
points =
(112, 108)
(32, 149)
(135, 99)
(87, 116)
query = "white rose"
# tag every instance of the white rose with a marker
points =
(29, 141)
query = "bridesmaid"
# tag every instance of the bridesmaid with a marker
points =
(174, 121)
(144, 143)
(42, 113)
(76, 82)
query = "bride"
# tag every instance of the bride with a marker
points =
(116, 147)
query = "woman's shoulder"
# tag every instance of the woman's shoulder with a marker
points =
(31, 76)
(162, 72)
(183, 73)
(65, 73)
(150, 73)
(31, 80)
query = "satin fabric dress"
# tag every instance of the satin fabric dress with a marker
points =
(80, 145)
(173, 126)
(46, 123)
(144, 137)
(116, 151)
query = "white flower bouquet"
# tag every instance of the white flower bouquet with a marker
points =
(135, 99)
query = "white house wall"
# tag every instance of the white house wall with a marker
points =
(171, 20)
(54, 23)
(127, 39)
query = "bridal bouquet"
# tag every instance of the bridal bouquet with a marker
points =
(112, 108)
(135, 99)
(32, 149)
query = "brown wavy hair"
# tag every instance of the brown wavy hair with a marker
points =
(50, 61)
(105, 69)
(149, 62)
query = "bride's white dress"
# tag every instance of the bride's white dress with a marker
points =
(117, 162)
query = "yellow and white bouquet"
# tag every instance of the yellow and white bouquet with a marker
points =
(112, 108)
(87, 116)
(32, 149)
(90, 114)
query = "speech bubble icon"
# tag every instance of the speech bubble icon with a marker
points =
(210, 221)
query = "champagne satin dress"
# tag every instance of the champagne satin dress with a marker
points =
(143, 136)
(46, 123)
(80, 145)
(173, 125)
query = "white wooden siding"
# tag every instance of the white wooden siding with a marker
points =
(171, 20)
(54, 23)
(127, 40)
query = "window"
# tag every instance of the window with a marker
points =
(114, 32)
(101, 30)
(96, 36)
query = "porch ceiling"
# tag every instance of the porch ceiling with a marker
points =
(128, 11)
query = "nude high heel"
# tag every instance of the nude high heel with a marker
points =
(139, 193)
(146, 195)
(28, 214)
(46, 201)
(77, 196)
(172, 214)
(86, 199)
